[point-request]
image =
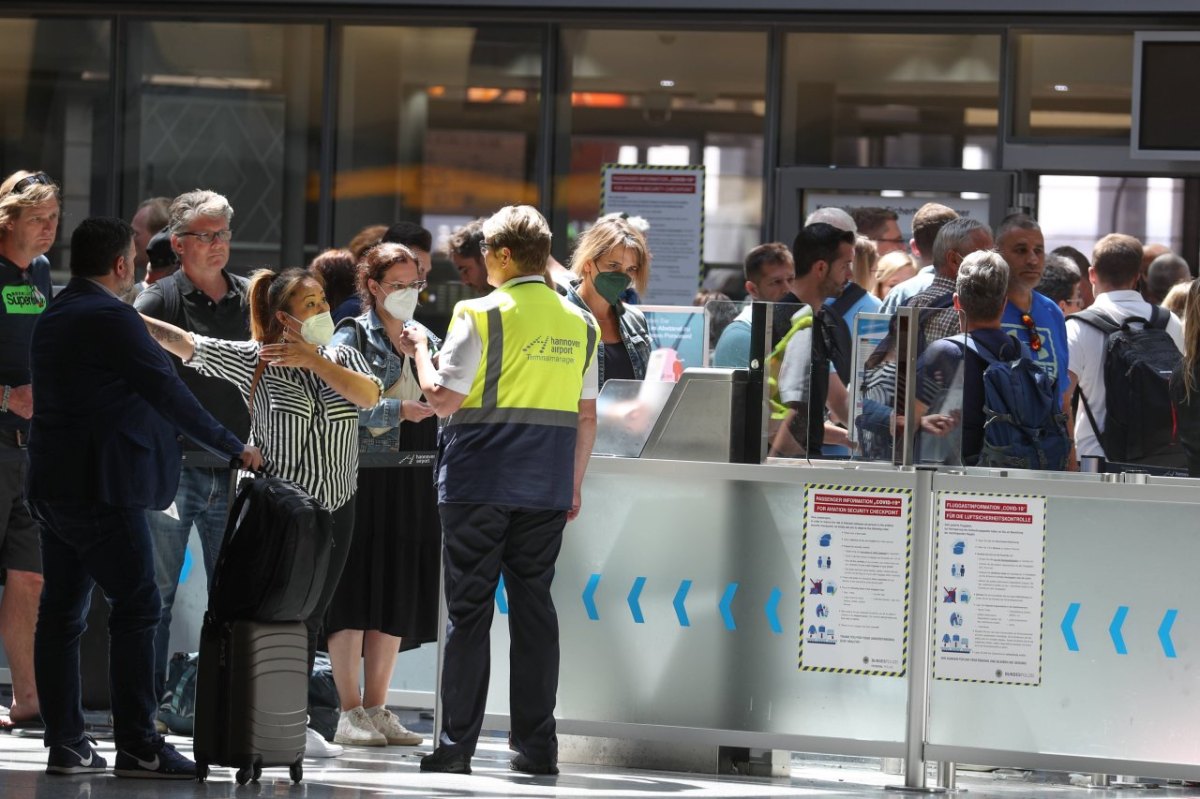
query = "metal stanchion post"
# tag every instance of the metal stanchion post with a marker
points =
(443, 620)
(947, 775)
(919, 627)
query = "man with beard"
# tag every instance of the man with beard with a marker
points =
(99, 456)
(824, 259)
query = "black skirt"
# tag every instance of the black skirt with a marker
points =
(390, 582)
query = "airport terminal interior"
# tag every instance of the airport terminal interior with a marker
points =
(738, 619)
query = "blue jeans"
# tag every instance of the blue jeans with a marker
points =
(84, 545)
(203, 500)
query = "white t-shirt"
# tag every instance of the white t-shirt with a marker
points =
(1086, 346)
(459, 357)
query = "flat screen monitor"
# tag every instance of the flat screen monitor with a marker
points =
(1166, 95)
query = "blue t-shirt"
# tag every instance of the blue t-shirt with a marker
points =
(1052, 331)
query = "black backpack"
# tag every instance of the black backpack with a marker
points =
(1139, 426)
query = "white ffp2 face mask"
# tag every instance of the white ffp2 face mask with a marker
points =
(401, 304)
(317, 329)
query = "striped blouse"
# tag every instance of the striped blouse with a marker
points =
(308, 433)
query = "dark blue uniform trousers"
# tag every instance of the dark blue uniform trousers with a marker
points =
(479, 543)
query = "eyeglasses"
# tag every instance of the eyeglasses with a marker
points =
(32, 180)
(419, 285)
(889, 241)
(1035, 341)
(485, 247)
(209, 238)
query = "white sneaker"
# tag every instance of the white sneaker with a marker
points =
(355, 729)
(390, 727)
(316, 746)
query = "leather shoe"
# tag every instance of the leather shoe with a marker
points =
(526, 765)
(446, 762)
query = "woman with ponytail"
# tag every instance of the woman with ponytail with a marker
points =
(304, 397)
(1185, 382)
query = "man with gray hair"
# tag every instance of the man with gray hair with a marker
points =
(201, 297)
(927, 222)
(1165, 271)
(981, 292)
(832, 215)
(957, 239)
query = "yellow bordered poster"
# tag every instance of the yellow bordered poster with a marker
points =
(856, 580)
(671, 200)
(990, 573)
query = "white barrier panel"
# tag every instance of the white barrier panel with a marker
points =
(1114, 688)
(679, 593)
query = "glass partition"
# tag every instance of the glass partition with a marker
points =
(1069, 86)
(666, 98)
(55, 89)
(891, 99)
(439, 126)
(626, 412)
(236, 108)
(873, 388)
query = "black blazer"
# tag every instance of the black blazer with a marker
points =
(108, 407)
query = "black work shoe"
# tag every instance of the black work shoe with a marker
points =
(159, 761)
(446, 762)
(76, 758)
(526, 765)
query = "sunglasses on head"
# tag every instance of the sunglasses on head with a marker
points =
(32, 180)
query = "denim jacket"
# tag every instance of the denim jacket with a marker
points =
(634, 333)
(385, 364)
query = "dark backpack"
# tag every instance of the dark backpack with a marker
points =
(1024, 426)
(1139, 425)
(178, 708)
(274, 556)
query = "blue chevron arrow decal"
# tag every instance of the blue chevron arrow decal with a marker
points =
(1068, 626)
(726, 606)
(772, 610)
(1114, 630)
(589, 597)
(635, 594)
(680, 598)
(1164, 633)
(501, 597)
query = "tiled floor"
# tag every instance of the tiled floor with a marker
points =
(365, 773)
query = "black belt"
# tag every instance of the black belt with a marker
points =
(13, 439)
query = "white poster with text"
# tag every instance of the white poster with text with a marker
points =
(854, 607)
(671, 200)
(990, 574)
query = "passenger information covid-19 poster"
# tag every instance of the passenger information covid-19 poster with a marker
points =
(854, 602)
(671, 200)
(990, 573)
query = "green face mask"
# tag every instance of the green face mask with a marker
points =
(609, 285)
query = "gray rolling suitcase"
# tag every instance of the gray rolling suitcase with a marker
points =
(251, 697)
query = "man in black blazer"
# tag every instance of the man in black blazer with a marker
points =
(108, 409)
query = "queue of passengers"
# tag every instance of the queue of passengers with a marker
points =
(298, 371)
(262, 373)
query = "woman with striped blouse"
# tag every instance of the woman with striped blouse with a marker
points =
(304, 408)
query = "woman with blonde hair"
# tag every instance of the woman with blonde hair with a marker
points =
(304, 397)
(891, 270)
(1185, 382)
(610, 257)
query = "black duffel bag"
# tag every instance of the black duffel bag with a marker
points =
(274, 556)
